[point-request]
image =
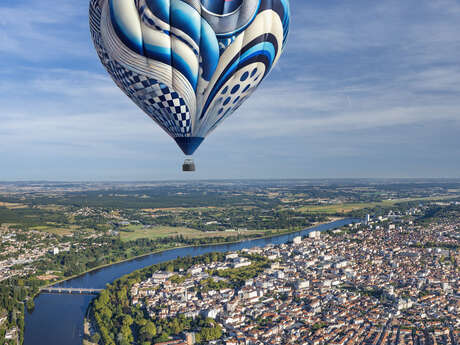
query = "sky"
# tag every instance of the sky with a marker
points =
(363, 89)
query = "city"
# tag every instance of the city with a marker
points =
(382, 281)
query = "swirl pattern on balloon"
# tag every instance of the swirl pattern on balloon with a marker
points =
(189, 64)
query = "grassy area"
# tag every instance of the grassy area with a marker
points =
(344, 208)
(56, 230)
(341, 208)
(180, 209)
(138, 231)
(53, 208)
(40, 228)
(87, 342)
(12, 206)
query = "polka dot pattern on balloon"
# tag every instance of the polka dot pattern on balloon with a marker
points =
(237, 90)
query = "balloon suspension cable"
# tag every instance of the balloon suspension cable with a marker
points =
(189, 165)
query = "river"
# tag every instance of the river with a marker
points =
(58, 319)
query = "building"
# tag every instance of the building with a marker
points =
(190, 338)
(11, 334)
(302, 284)
(315, 234)
(367, 219)
(3, 317)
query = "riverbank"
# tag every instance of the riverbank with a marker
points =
(87, 332)
(158, 251)
(89, 323)
(58, 318)
(109, 302)
(88, 328)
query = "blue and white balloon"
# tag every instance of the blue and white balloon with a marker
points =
(189, 64)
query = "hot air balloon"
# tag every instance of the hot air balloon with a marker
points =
(189, 64)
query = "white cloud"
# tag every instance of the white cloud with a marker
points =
(72, 108)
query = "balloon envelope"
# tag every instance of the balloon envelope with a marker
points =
(189, 64)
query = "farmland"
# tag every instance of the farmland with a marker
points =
(135, 232)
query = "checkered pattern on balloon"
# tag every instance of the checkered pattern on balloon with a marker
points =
(189, 64)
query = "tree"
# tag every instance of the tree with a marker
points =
(176, 327)
(210, 333)
(127, 320)
(96, 338)
(148, 331)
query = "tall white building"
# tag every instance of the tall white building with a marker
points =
(367, 219)
(297, 240)
(314, 234)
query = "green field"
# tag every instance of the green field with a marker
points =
(341, 208)
(348, 207)
(138, 231)
(12, 206)
(56, 230)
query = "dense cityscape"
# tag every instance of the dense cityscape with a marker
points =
(385, 282)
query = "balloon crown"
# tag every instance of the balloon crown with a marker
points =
(221, 7)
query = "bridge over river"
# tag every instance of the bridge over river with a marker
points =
(62, 290)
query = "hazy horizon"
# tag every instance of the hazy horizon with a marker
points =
(376, 180)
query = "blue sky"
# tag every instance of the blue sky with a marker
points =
(364, 89)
